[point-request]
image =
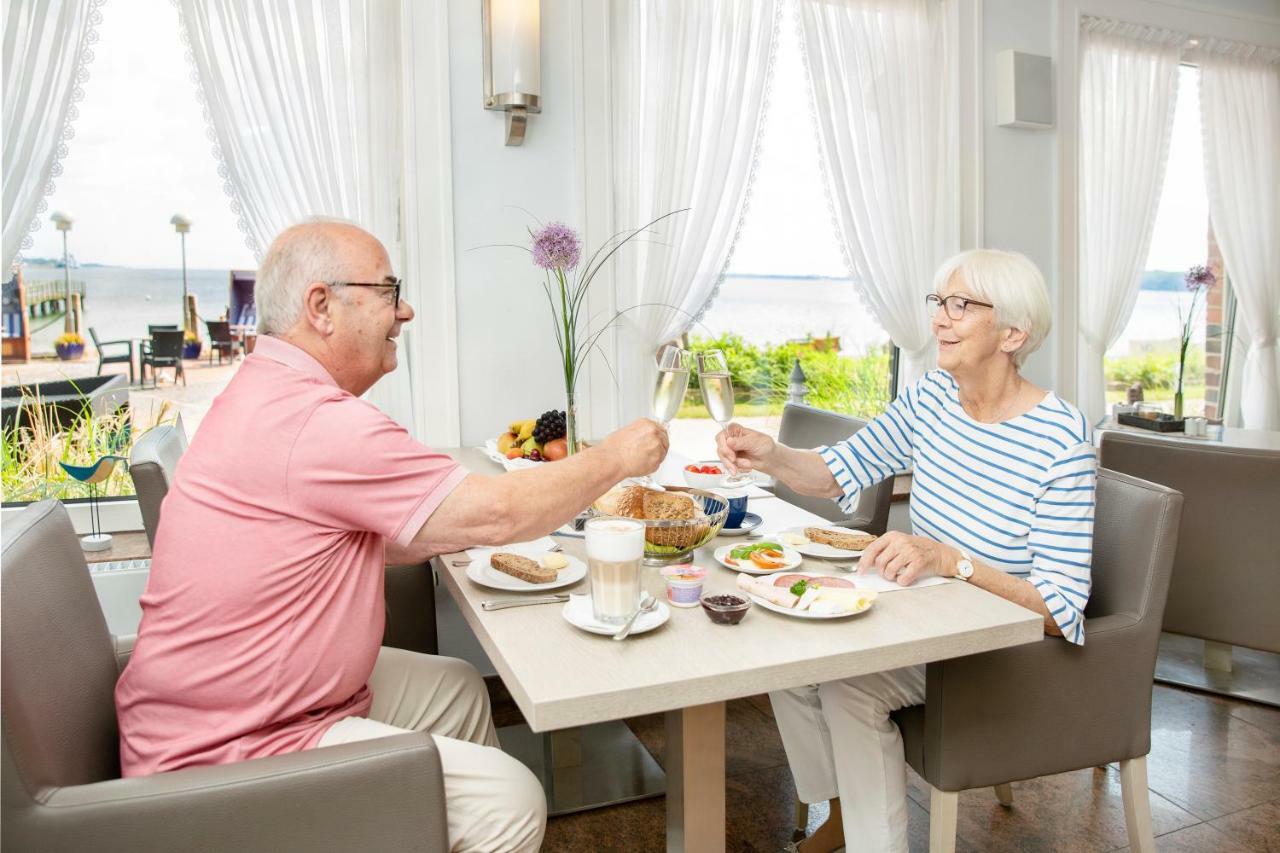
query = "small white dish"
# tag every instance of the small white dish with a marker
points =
(750, 522)
(817, 549)
(704, 481)
(577, 612)
(486, 575)
(791, 555)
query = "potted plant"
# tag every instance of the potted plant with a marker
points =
(191, 345)
(69, 345)
(1199, 279)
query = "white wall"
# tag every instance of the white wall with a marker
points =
(507, 364)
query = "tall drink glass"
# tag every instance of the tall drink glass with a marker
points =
(615, 547)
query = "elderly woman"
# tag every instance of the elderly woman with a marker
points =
(1002, 498)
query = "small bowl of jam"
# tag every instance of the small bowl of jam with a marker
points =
(724, 608)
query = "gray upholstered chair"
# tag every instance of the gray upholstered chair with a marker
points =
(1225, 586)
(409, 590)
(1051, 707)
(152, 463)
(806, 427)
(62, 789)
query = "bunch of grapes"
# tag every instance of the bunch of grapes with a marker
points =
(549, 427)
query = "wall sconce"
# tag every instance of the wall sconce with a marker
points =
(512, 67)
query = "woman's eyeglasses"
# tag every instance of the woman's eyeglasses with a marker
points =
(394, 283)
(955, 305)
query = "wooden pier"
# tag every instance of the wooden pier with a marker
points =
(50, 296)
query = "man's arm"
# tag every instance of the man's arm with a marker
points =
(522, 505)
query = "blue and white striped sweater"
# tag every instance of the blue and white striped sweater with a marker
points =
(1017, 495)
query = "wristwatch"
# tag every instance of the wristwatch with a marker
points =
(964, 567)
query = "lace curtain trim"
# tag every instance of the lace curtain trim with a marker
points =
(85, 50)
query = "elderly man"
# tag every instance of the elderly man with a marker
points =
(263, 614)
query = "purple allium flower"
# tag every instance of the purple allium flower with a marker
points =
(556, 246)
(1198, 277)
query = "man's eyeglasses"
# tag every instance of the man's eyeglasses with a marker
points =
(955, 305)
(393, 283)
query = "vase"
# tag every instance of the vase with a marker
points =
(69, 352)
(571, 423)
(191, 349)
(1177, 405)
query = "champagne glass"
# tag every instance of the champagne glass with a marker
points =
(717, 393)
(668, 393)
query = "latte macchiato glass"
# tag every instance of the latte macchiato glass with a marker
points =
(615, 547)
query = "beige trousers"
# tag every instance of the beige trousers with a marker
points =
(494, 803)
(839, 740)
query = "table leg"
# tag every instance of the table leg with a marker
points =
(695, 779)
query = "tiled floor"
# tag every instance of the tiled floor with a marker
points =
(1214, 772)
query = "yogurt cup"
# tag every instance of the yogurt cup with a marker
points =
(684, 584)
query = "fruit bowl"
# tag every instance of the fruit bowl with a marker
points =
(702, 480)
(672, 541)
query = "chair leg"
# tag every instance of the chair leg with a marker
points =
(1137, 805)
(943, 810)
(802, 821)
(1004, 793)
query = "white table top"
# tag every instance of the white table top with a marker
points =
(560, 676)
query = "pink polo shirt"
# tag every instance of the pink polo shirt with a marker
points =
(264, 610)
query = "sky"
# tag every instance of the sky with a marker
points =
(140, 154)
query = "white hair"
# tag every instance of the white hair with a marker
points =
(301, 254)
(1010, 282)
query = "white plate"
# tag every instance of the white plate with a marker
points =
(491, 450)
(802, 614)
(817, 549)
(747, 567)
(750, 522)
(577, 612)
(486, 575)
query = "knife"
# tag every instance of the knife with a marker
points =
(504, 603)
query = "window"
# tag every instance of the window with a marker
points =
(787, 294)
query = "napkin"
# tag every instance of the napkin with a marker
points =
(872, 580)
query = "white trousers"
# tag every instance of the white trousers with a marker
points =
(840, 741)
(494, 803)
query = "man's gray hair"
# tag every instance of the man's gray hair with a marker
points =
(301, 254)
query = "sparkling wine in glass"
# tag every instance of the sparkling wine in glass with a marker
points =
(668, 393)
(717, 393)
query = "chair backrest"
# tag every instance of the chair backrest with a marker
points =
(152, 328)
(166, 344)
(59, 668)
(806, 427)
(219, 331)
(152, 464)
(1135, 535)
(1225, 587)
(93, 333)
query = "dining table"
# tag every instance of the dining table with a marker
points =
(562, 677)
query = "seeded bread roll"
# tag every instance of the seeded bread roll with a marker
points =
(521, 567)
(667, 506)
(846, 541)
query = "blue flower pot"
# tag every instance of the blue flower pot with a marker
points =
(69, 352)
(192, 350)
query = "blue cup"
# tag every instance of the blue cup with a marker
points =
(737, 508)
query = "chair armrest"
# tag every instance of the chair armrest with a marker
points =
(1037, 709)
(123, 644)
(384, 794)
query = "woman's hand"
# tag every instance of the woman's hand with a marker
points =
(904, 559)
(743, 449)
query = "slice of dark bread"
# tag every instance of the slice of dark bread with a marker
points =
(850, 541)
(521, 567)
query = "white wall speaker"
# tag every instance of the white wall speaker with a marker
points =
(1024, 85)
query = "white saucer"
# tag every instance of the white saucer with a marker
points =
(577, 612)
(484, 574)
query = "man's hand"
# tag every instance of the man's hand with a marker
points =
(905, 559)
(743, 449)
(640, 447)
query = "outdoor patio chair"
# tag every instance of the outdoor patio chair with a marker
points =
(163, 350)
(152, 328)
(125, 357)
(220, 339)
(1052, 707)
(61, 757)
(808, 427)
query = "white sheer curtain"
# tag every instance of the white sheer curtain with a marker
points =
(47, 48)
(882, 73)
(689, 84)
(1240, 118)
(302, 101)
(1128, 89)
